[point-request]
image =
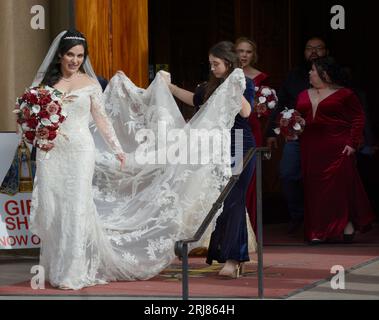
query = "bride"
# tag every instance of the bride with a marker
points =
(108, 202)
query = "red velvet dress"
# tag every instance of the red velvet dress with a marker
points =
(251, 202)
(334, 194)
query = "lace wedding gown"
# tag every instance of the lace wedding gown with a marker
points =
(98, 223)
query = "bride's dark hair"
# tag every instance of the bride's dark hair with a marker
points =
(69, 40)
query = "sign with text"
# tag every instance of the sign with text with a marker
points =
(14, 209)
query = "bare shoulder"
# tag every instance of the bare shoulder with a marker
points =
(256, 72)
(87, 80)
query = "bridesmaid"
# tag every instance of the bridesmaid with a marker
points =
(335, 201)
(247, 53)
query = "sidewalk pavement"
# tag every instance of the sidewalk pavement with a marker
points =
(361, 283)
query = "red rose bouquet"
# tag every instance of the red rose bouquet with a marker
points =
(291, 124)
(39, 114)
(265, 101)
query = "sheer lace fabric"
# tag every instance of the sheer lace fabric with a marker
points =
(100, 224)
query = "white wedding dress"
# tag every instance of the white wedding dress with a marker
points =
(98, 223)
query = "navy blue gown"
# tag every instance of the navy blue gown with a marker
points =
(229, 240)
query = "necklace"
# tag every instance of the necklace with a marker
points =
(322, 89)
(70, 78)
(327, 90)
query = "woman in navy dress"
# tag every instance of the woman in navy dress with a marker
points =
(229, 240)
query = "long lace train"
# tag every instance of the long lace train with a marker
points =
(98, 223)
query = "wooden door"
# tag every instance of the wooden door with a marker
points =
(269, 23)
(117, 33)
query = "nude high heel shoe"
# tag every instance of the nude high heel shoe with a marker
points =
(349, 233)
(232, 270)
(242, 268)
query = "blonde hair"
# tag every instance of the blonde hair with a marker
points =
(254, 60)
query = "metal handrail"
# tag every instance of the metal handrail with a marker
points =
(181, 246)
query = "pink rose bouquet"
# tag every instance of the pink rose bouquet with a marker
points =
(39, 114)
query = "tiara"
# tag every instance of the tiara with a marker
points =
(74, 38)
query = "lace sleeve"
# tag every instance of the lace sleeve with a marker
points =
(103, 123)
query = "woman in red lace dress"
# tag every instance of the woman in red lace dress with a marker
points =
(247, 52)
(335, 201)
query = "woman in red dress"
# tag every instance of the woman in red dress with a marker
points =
(335, 201)
(247, 52)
